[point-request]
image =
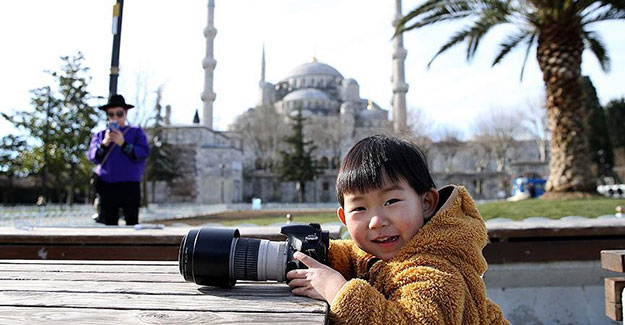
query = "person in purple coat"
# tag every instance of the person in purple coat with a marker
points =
(120, 152)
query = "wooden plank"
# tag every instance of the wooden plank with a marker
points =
(126, 235)
(118, 269)
(590, 227)
(88, 262)
(258, 289)
(206, 302)
(85, 252)
(579, 249)
(614, 311)
(614, 289)
(613, 260)
(30, 315)
(110, 277)
(95, 235)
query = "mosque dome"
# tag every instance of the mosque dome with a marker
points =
(314, 68)
(306, 94)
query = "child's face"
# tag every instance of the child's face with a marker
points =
(382, 221)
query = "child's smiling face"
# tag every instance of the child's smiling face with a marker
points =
(382, 221)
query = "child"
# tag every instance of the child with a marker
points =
(416, 253)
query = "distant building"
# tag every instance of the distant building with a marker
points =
(234, 166)
(336, 118)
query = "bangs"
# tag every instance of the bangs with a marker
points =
(365, 176)
(378, 161)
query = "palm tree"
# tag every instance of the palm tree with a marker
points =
(560, 30)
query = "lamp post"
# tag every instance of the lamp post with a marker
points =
(118, 9)
(44, 174)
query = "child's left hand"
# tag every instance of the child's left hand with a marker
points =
(319, 281)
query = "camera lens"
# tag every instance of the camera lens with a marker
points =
(204, 256)
(219, 257)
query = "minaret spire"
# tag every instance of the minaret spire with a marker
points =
(262, 68)
(400, 87)
(208, 96)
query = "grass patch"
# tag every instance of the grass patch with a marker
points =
(554, 209)
(261, 218)
(319, 218)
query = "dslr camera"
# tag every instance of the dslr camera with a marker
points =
(219, 256)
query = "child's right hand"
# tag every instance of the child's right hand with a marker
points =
(319, 281)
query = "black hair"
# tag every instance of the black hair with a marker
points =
(378, 159)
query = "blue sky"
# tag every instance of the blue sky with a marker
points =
(162, 44)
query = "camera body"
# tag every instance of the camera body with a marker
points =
(220, 257)
(307, 239)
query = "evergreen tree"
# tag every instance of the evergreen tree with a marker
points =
(597, 136)
(298, 164)
(615, 111)
(61, 125)
(11, 164)
(162, 164)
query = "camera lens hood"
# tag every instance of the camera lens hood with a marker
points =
(208, 264)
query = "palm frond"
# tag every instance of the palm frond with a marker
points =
(610, 14)
(455, 39)
(530, 43)
(434, 17)
(594, 42)
(617, 4)
(474, 34)
(436, 11)
(509, 44)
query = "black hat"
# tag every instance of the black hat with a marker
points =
(116, 101)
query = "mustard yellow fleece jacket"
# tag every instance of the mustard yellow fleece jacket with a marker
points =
(434, 279)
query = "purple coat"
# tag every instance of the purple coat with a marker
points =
(121, 165)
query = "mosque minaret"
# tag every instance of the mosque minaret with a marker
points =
(400, 87)
(208, 95)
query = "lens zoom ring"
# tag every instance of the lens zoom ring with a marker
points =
(246, 259)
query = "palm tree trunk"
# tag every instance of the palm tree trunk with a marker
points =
(559, 56)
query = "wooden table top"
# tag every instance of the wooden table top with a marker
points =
(132, 292)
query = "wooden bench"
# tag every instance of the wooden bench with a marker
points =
(614, 260)
(139, 292)
(553, 240)
(110, 243)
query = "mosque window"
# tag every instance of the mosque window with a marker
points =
(323, 163)
(335, 162)
(477, 183)
(258, 164)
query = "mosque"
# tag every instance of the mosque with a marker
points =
(240, 164)
(224, 166)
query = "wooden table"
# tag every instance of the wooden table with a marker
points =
(133, 292)
(614, 260)
(110, 243)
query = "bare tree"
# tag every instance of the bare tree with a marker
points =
(537, 126)
(497, 131)
(420, 126)
(325, 132)
(448, 140)
(262, 130)
(482, 155)
(142, 115)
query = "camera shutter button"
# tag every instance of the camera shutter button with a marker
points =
(312, 239)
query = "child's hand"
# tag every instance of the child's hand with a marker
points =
(319, 281)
